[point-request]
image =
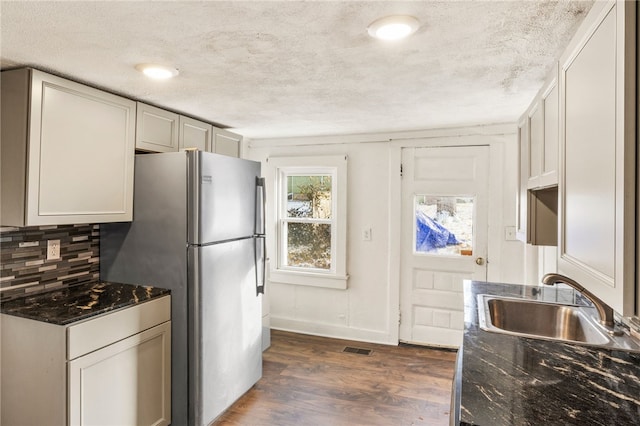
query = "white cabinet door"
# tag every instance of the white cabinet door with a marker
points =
(226, 143)
(67, 152)
(597, 175)
(195, 134)
(126, 383)
(549, 155)
(156, 129)
(543, 132)
(81, 135)
(536, 144)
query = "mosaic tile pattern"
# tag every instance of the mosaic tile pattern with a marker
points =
(23, 264)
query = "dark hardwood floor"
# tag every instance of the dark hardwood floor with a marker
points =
(309, 380)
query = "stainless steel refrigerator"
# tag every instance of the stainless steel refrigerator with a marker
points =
(198, 229)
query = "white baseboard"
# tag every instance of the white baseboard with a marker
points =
(332, 331)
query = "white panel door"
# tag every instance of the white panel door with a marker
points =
(444, 239)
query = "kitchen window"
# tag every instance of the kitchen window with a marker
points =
(309, 217)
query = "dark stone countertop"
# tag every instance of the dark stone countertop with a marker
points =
(511, 380)
(66, 305)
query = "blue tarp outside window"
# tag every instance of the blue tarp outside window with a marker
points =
(430, 235)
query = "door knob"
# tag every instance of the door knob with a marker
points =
(480, 261)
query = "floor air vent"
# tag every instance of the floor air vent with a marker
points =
(358, 351)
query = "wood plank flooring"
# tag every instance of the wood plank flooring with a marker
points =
(308, 380)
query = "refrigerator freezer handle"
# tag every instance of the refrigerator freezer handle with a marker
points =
(261, 196)
(260, 257)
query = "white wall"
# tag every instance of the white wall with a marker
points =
(368, 309)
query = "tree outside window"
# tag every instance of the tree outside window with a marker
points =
(307, 222)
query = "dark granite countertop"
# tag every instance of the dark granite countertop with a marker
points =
(511, 380)
(66, 305)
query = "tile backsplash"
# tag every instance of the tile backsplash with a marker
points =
(23, 254)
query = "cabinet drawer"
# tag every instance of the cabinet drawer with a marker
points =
(96, 333)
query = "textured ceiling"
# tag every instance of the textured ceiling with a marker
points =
(294, 68)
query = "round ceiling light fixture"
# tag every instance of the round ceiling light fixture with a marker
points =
(158, 72)
(393, 27)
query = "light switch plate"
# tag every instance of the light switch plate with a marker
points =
(510, 233)
(366, 234)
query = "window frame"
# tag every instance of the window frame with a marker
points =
(284, 219)
(472, 197)
(279, 169)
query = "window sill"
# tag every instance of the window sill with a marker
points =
(309, 279)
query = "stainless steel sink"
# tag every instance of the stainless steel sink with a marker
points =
(541, 320)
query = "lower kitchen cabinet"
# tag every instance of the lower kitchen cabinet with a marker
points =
(112, 369)
(123, 383)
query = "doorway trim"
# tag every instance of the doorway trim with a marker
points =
(498, 148)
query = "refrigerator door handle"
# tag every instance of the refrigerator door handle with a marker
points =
(260, 251)
(261, 196)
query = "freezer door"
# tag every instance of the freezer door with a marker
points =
(226, 330)
(223, 196)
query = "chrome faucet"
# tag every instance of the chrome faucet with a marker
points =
(605, 312)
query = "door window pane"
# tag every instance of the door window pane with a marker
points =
(308, 245)
(309, 196)
(444, 225)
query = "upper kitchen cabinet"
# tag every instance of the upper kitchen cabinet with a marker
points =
(535, 116)
(536, 212)
(597, 182)
(543, 135)
(67, 152)
(156, 129)
(226, 142)
(159, 130)
(195, 134)
(550, 145)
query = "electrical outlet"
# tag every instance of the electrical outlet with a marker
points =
(53, 249)
(366, 234)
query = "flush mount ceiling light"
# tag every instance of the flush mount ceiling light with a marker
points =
(393, 27)
(158, 72)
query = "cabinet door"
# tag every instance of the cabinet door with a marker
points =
(523, 177)
(226, 143)
(126, 383)
(536, 143)
(597, 175)
(80, 154)
(195, 134)
(156, 129)
(549, 155)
